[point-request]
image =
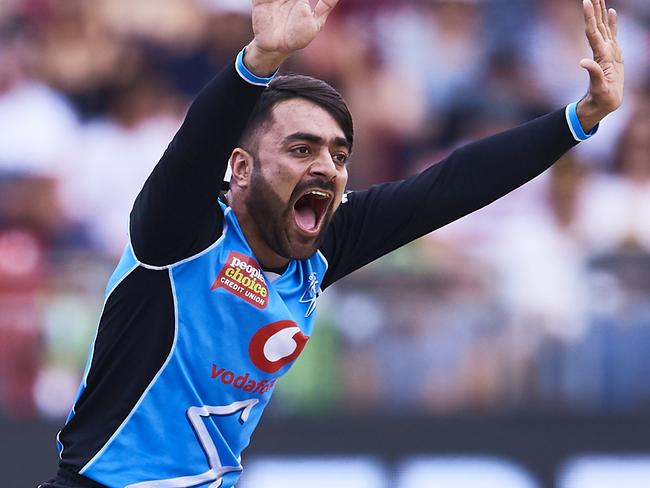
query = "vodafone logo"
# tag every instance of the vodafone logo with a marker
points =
(276, 344)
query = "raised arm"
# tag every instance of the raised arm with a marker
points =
(377, 221)
(385, 217)
(176, 214)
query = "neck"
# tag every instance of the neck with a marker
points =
(268, 259)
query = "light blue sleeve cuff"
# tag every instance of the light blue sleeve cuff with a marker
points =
(575, 126)
(246, 74)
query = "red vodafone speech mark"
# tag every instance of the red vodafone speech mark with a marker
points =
(276, 344)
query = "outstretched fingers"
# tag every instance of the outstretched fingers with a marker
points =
(323, 8)
(594, 34)
(598, 16)
(606, 18)
(613, 23)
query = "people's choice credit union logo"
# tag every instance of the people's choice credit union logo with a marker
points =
(242, 276)
(276, 344)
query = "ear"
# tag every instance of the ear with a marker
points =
(241, 165)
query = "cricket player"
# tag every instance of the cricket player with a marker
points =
(215, 295)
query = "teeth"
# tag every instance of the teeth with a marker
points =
(318, 194)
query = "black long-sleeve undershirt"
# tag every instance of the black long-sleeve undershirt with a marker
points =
(379, 220)
(176, 214)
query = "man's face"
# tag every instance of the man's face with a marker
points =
(298, 178)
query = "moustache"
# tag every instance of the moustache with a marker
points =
(313, 183)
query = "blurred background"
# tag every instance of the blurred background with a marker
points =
(509, 349)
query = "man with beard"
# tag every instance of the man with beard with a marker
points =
(213, 298)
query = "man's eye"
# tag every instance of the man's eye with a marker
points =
(300, 150)
(340, 158)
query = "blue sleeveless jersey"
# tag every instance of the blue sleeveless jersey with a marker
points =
(236, 333)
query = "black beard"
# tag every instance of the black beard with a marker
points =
(274, 218)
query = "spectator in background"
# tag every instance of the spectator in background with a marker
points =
(118, 152)
(37, 122)
(616, 206)
(346, 56)
(541, 260)
(538, 268)
(78, 56)
(440, 44)
(228, 27)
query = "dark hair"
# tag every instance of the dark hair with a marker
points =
(287, 87)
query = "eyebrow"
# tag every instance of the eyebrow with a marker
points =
(307, 136)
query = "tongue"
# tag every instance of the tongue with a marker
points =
(306, 217)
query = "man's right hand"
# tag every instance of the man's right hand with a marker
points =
(282, 27)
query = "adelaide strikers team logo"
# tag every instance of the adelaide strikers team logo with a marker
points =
(276, 344)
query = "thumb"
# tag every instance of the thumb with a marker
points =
(596, 74)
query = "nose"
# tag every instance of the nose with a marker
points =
(324, 166)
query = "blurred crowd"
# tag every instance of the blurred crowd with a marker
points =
(541, 301)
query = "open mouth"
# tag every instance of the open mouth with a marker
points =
(310, 209)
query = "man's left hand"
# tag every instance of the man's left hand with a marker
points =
(606, 74)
